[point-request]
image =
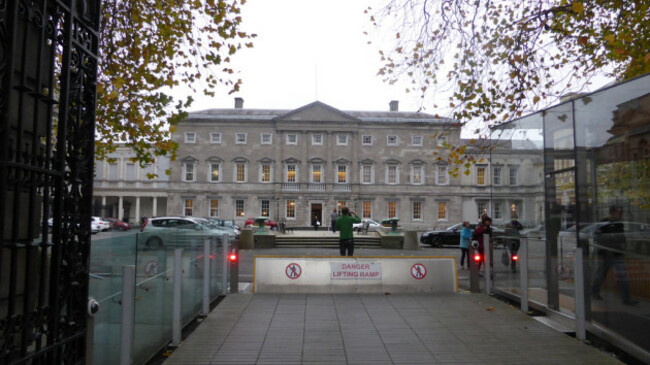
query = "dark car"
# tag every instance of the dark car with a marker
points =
(451, 236)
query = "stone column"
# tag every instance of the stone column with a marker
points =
(137, 208)
(120, 208)
(104, 204)
(154, 209)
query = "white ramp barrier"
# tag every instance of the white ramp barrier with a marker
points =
(301, 274)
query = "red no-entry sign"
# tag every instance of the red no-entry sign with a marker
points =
(418, 271)
(293, 271)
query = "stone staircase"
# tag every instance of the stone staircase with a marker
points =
(291, 241)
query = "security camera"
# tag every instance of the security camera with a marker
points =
(93, 306)
(475, 244)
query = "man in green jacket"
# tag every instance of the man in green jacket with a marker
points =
(344, 225)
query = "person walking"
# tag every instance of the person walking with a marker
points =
(315, 222)
(333, 216)
(344, 225)
(465, 235)
(483, 228)
(610, 241)
(513, 241)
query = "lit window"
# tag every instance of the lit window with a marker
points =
(214, 172)
(480, 175)
(240, 172)
(292, 139)
(240, 138)
(391, 140)
(366, 174)
(342, 139)
(515, 208)
(442, 175)
(482, 208)
(417, 173)
(215, 138)
(239, 208)
(190, 137)
(339, 205)
(214, 208)
(342, 174)
(265, 208)
(291, 173)
(189, 207)
(496, 176)
(417, 210)
(317, 139)
(392, 209)
(188, 173)
(367, 209)
(291, 209)
(267, 138)
(266, 173)
(514, 175)
(416, 140)
(316, 173)
(442, 210)
(392, 174)
(366, 140)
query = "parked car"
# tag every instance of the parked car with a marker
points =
(539, 231)
(272, 225)
(118, 225)
(637, 237)
(222, 230)
(228, 224)
(372, 225)
(94, 227)
(103, 225)
(451, 236)
(175, 232)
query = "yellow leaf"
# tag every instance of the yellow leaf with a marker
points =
(578, 7)
(536, 100)
(610, 38)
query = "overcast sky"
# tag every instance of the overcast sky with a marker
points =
(309, 50)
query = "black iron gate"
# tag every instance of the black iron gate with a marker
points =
(48, 72)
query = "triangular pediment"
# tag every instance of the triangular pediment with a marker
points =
(317, 112)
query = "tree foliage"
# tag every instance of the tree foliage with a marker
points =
(498, 59)
(149, 47)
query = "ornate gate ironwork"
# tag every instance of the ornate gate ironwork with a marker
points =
(48, 72)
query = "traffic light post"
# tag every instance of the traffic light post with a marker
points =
(474, 260)
(233, 264)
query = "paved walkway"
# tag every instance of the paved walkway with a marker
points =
(376, 329)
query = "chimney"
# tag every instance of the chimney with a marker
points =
(239, 103)
(394, 105)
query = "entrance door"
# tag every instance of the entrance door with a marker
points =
(316, 211)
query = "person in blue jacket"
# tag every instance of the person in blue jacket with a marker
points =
(465, 236)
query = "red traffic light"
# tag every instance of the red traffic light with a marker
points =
(515, 257)
(477, 257)
(232, 257)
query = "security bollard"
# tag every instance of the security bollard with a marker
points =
(488, 252)
(233, 263)
(523, 268)
(206, 275)
(474, 259)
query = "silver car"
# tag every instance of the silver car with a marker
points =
(176, 232)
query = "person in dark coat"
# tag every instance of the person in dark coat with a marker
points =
(513, 241)
(483, 228)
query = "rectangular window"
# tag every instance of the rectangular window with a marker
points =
(291, 173)
(241, 172)
(480, 175)
(482, 208)
(239, 208)
(189, 171)
(214, 208)
(416, 140)
(291, 209)
(514, 176)
(391, 140)
(214, 172)
(240, 138)
(316, 173)
(392, 209)
(417, 210)
(292, 139)
(190, 137)
(367, 209)
(342, 139)
(130, 172)
(442, 210)
(112, 171)
(215, 138)
(266, 173)
(392, 174)
(317, 139)
(189, 207)
(267, 138)
(366, 174)
(340, 204)
(366, 140)
(496, 176)
(442, 175)
(498, 210)
(515, 209)
(266, 204)
(342, 176)
(417, 173)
